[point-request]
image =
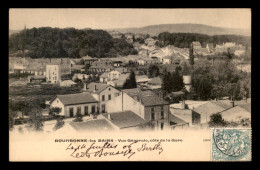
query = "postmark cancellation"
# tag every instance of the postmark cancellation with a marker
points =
(231, 144)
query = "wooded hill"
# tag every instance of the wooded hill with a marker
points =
(183, 40)
(69, 42)
(155, 30)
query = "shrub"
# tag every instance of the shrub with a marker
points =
(216, 120)
(59, 124)
(79, 117)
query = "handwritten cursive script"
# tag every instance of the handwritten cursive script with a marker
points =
(110, 149)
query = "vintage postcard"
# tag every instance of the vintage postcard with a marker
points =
(130, 84)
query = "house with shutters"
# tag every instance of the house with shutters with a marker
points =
(70, 104)
(102, 93)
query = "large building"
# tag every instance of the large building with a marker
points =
(70, 104)
(53, 74)
(56, 69)
(145, 104)
(102, 93)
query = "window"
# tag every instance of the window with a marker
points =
(162, 124)
(71, 112)
(103, 108)
(86, 110)
(103, 97)
(79, 110)
(162, 114)
(93, 109)
(152, 116)
(161, 107)
(109, 97)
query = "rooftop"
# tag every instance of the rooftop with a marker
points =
(77, 67)
(104, 75)
(247, 107)
(235, 114)
(125, 119)
(211, 107)
(96, 87)
(147, 97)
(79, 98)
(174, 120)
(155, 80)
(68, 82)
(99, 124)
(142, 78)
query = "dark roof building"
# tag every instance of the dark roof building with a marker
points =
(96, 87)
(147, 97)
(73, 99)
(125, 119)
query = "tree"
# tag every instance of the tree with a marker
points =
(131, 82)
(167, 81)
(177, 81)
(153, 71)
(59, 124)
(35, 121)
(79, 117)
(55, 111)
(56, 43)
(191, 59)
(12, 116)
(216, 120)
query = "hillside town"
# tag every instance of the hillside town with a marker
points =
(130, 92)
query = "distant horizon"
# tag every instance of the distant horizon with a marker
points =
(119, 18)
(128, 27)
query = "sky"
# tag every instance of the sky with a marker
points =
(126, 18)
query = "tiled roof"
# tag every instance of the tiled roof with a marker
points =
(92, 125)
(211, 107)
(225, 106)
(125, 119)
(155, 80)
(132, 92)
(176, 120)
(80, 98)
(142, 78)
(77, 67)
(39, 77)
(247, 106)
(147, 98)
(87, 58)
(196, 43)
(104, 75)
(121, 69)
(99, 87)
(68, 82)
(235, 114)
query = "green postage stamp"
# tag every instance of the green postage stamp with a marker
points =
(231, 144)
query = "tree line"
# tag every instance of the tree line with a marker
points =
(69, 42)
(183, 40)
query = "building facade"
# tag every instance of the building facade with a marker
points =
(84, 103)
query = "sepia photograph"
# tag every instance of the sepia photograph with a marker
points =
(122, 84)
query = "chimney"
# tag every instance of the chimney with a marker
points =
(232, 103)
(109, 116)
(85, 87)
(183, 104)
